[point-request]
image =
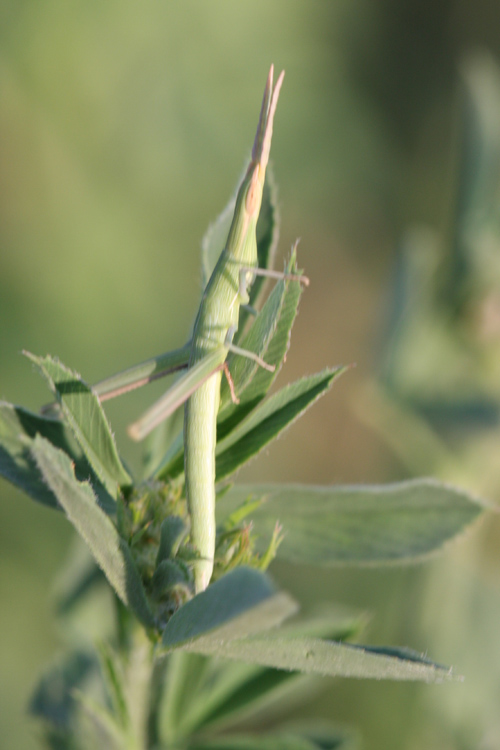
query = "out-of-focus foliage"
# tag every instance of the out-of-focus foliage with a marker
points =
(442, 356)
(439, 385)
(110, 115)
(139, 534)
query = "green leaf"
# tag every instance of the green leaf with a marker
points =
(18, 428)
(279, 344)
(172, 533)
(336, 623)
(181, 695)
(104, 728)
(269, 419)
(269, 337)
(167, 575)
(160, 442)
(53, 698)
(267, 228)
(243, 601)
(358, 524)
(172, 463)
(243, 369)
(109, 550)
(234, 690)
(315, 656)
(219, 693)
(211, 624)
(251, 687)
(201, 692)
(243, 693)
(84, 414)
(114, 681)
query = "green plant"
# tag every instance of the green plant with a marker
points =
(439, 362)
(175, 668)
(435, 400)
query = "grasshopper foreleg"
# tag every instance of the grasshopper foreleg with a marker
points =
(281, 275)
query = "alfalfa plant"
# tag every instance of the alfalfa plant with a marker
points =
(198, 639)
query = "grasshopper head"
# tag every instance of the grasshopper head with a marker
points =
(241, 242)
(262, 144)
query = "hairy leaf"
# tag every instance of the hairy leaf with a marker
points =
(240, 689)
(18, 428)
(84, 414)
(269, 337)
(53, 698)
(315, 656)
(357, 524)
(243, 601)
(109, 550)
(269, 419)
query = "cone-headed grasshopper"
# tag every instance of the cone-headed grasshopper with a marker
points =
(205, 355)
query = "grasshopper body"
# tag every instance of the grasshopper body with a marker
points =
(215, 324)
(206, 354)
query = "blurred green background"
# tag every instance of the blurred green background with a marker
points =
(123, 130)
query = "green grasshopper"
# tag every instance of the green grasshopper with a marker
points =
(205, 355)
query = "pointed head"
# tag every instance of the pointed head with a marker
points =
(241, 242)
(262, 144)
